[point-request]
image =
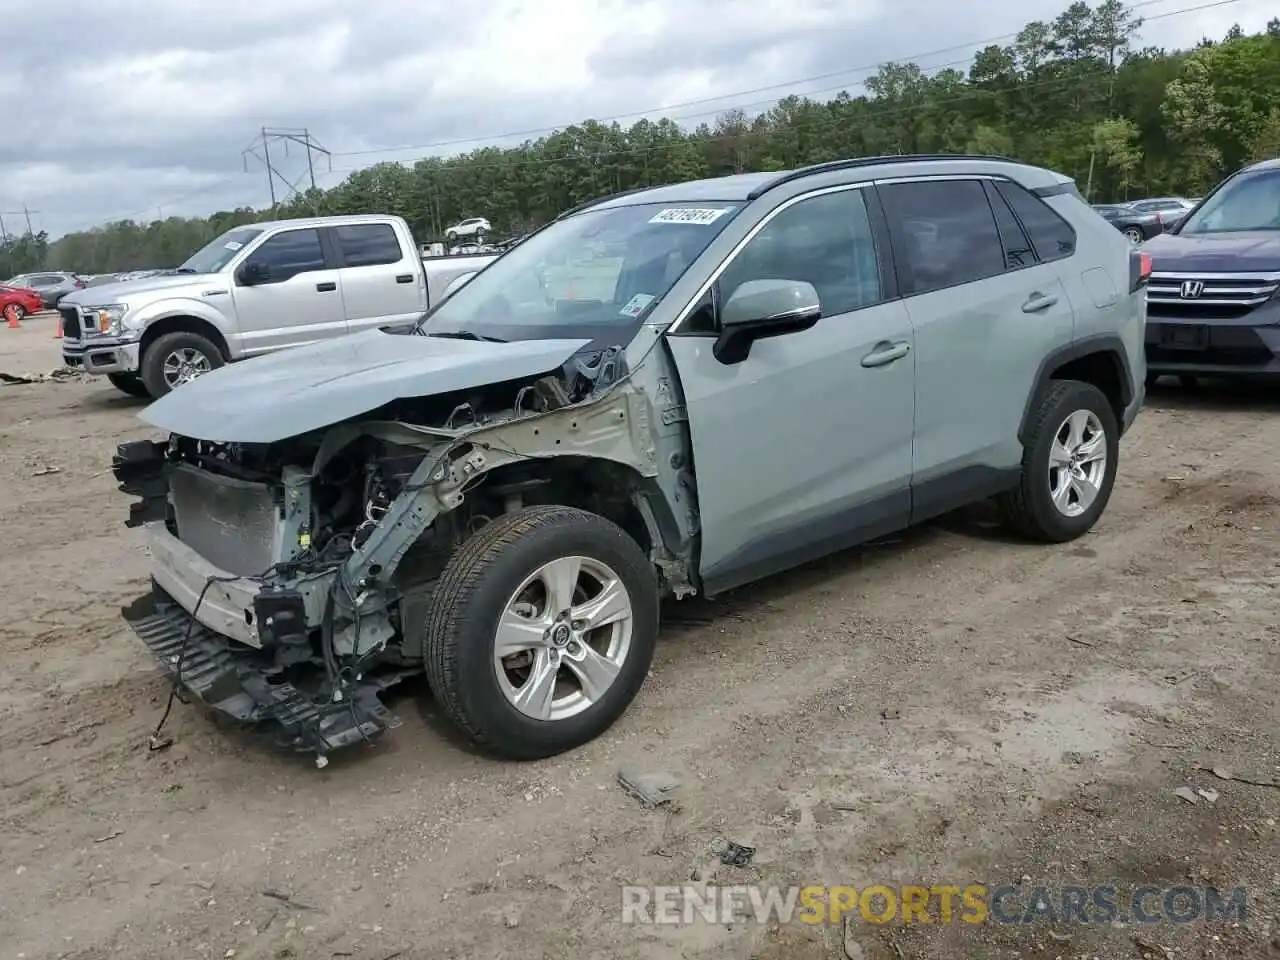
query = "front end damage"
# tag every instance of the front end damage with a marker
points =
(292, 580)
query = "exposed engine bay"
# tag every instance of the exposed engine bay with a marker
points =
(292, 581)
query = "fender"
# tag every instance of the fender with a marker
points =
(1108, 345)
(188, 306)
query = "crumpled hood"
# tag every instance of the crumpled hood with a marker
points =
(299, 389)
(108, 293)
(1247, 252)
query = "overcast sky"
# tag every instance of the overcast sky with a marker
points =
(134, 108)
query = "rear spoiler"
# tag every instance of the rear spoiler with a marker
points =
(1065, 188)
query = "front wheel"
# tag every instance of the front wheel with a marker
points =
(15, 313)
(1068, 465)
(175, 359)
(1134, 234)
(130, 384)
(542, 631)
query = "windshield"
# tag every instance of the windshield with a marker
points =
(1248, 202)
(218, 253)
(592, 276)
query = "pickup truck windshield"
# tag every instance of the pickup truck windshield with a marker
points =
(1250, 202)
(216, 254)
(594, 275)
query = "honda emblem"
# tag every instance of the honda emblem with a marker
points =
(1191, 289)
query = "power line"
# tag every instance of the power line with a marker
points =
(302, 137)
(864, 69)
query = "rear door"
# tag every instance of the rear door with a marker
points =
(986, 311)
(382, 277)
(300, 302)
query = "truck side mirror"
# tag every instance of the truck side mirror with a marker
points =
(251, 274)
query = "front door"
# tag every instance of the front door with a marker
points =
(299, 302)
(804, 447)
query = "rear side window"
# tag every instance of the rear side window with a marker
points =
(1052, 236)
(1018, 251)
(945, 233)
(368, 244)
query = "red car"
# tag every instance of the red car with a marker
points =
(17, 302)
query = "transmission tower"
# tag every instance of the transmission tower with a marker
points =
(260, 150)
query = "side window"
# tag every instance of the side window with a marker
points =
(290, 253)
(947, 233)
(1017, 248)
(825, 240)
(1052, 236)
(368, 244)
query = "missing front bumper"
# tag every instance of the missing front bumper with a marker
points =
(249, 685)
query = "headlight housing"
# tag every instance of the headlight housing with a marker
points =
(109, 319)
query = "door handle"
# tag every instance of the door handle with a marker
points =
(1038, 301)
(327, 287)
(886, 352)
(405, 278)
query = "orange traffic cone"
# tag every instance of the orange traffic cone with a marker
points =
(58, 335)
(11, 314)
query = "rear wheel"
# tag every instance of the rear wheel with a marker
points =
(177, 358)
(1068, 465)
(542, 631)
(129, 383)
(15, 313)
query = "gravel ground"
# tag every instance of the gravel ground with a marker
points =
(949, 708)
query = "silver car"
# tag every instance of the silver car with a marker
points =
(669, 392)
(52, 286)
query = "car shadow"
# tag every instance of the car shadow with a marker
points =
(1211, 394)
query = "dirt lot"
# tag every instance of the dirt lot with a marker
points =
(952, 708)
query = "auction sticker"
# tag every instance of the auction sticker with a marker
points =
(635, 306)
(702, 216)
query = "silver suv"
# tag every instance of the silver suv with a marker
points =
(674, 391)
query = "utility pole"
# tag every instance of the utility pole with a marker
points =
(25, 213)
(281, 135)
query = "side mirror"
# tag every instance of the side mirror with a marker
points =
(764, 308)
(458, 283)
(250, 274)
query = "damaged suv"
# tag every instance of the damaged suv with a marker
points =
(673, 391)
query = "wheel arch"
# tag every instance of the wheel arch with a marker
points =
(185, 323)
(1100, 360)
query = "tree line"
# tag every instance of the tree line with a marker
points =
(1076, 94)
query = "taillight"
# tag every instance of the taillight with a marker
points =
(1139, 269)
(80, 284)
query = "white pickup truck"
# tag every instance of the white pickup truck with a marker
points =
(255, 289)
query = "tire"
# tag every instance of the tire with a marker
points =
(1029, 508)
(452, 236)
(153, 367)
(476, 691)
(15, 313)
(129, 383)
(1134, 234)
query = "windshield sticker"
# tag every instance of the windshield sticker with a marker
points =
(635, 306)
(233, 244)
(702, 216)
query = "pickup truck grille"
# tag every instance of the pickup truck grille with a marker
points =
(70, 322)
(1208, 296)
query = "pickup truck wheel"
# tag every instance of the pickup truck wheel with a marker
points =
(130, 384)
(177, 358)
(542, 630)
(1068, 465)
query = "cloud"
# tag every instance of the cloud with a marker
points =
(138, 109)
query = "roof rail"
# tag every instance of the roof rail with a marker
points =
(854, 162)
(587, 204)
